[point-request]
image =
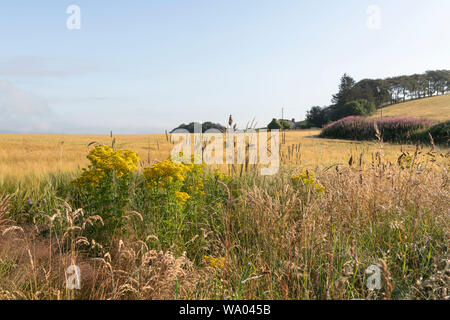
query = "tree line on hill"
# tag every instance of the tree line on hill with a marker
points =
(364, 97)
(361, 98)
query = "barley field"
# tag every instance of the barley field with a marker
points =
(138, 226)
(433, 108)
(36, 155)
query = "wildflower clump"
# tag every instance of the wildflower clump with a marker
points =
(309, 181)
(180, 180)
(105, 186)
(405, 161)
(182, 197)
(194, 179)
(220, 176)
(215, 262)
(175, 189)
(163, 174)
(105, 161)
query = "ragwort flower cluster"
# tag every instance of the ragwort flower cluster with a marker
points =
(178, 179)
(309, 181)
(104, 161)
(163, 174)
(215, 262)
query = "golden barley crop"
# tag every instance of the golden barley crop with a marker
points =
(37, 155)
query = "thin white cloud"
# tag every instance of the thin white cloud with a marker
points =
(31, 66)
(16, 101)
(22, 110)
(77, 100)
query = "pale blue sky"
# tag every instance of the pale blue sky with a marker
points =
(146, 66)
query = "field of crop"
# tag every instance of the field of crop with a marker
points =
(433, 108)
(36, 155)
(139, 226)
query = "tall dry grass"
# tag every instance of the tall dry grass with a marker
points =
(281, 240)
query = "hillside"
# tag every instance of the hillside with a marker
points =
(434, 108)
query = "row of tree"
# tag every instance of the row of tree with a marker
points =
(205, 126)
(365, 96)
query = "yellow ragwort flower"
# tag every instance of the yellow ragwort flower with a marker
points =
(105, 160)
(215, 262)
(308, 180)
(164, 173)
(182, 197)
